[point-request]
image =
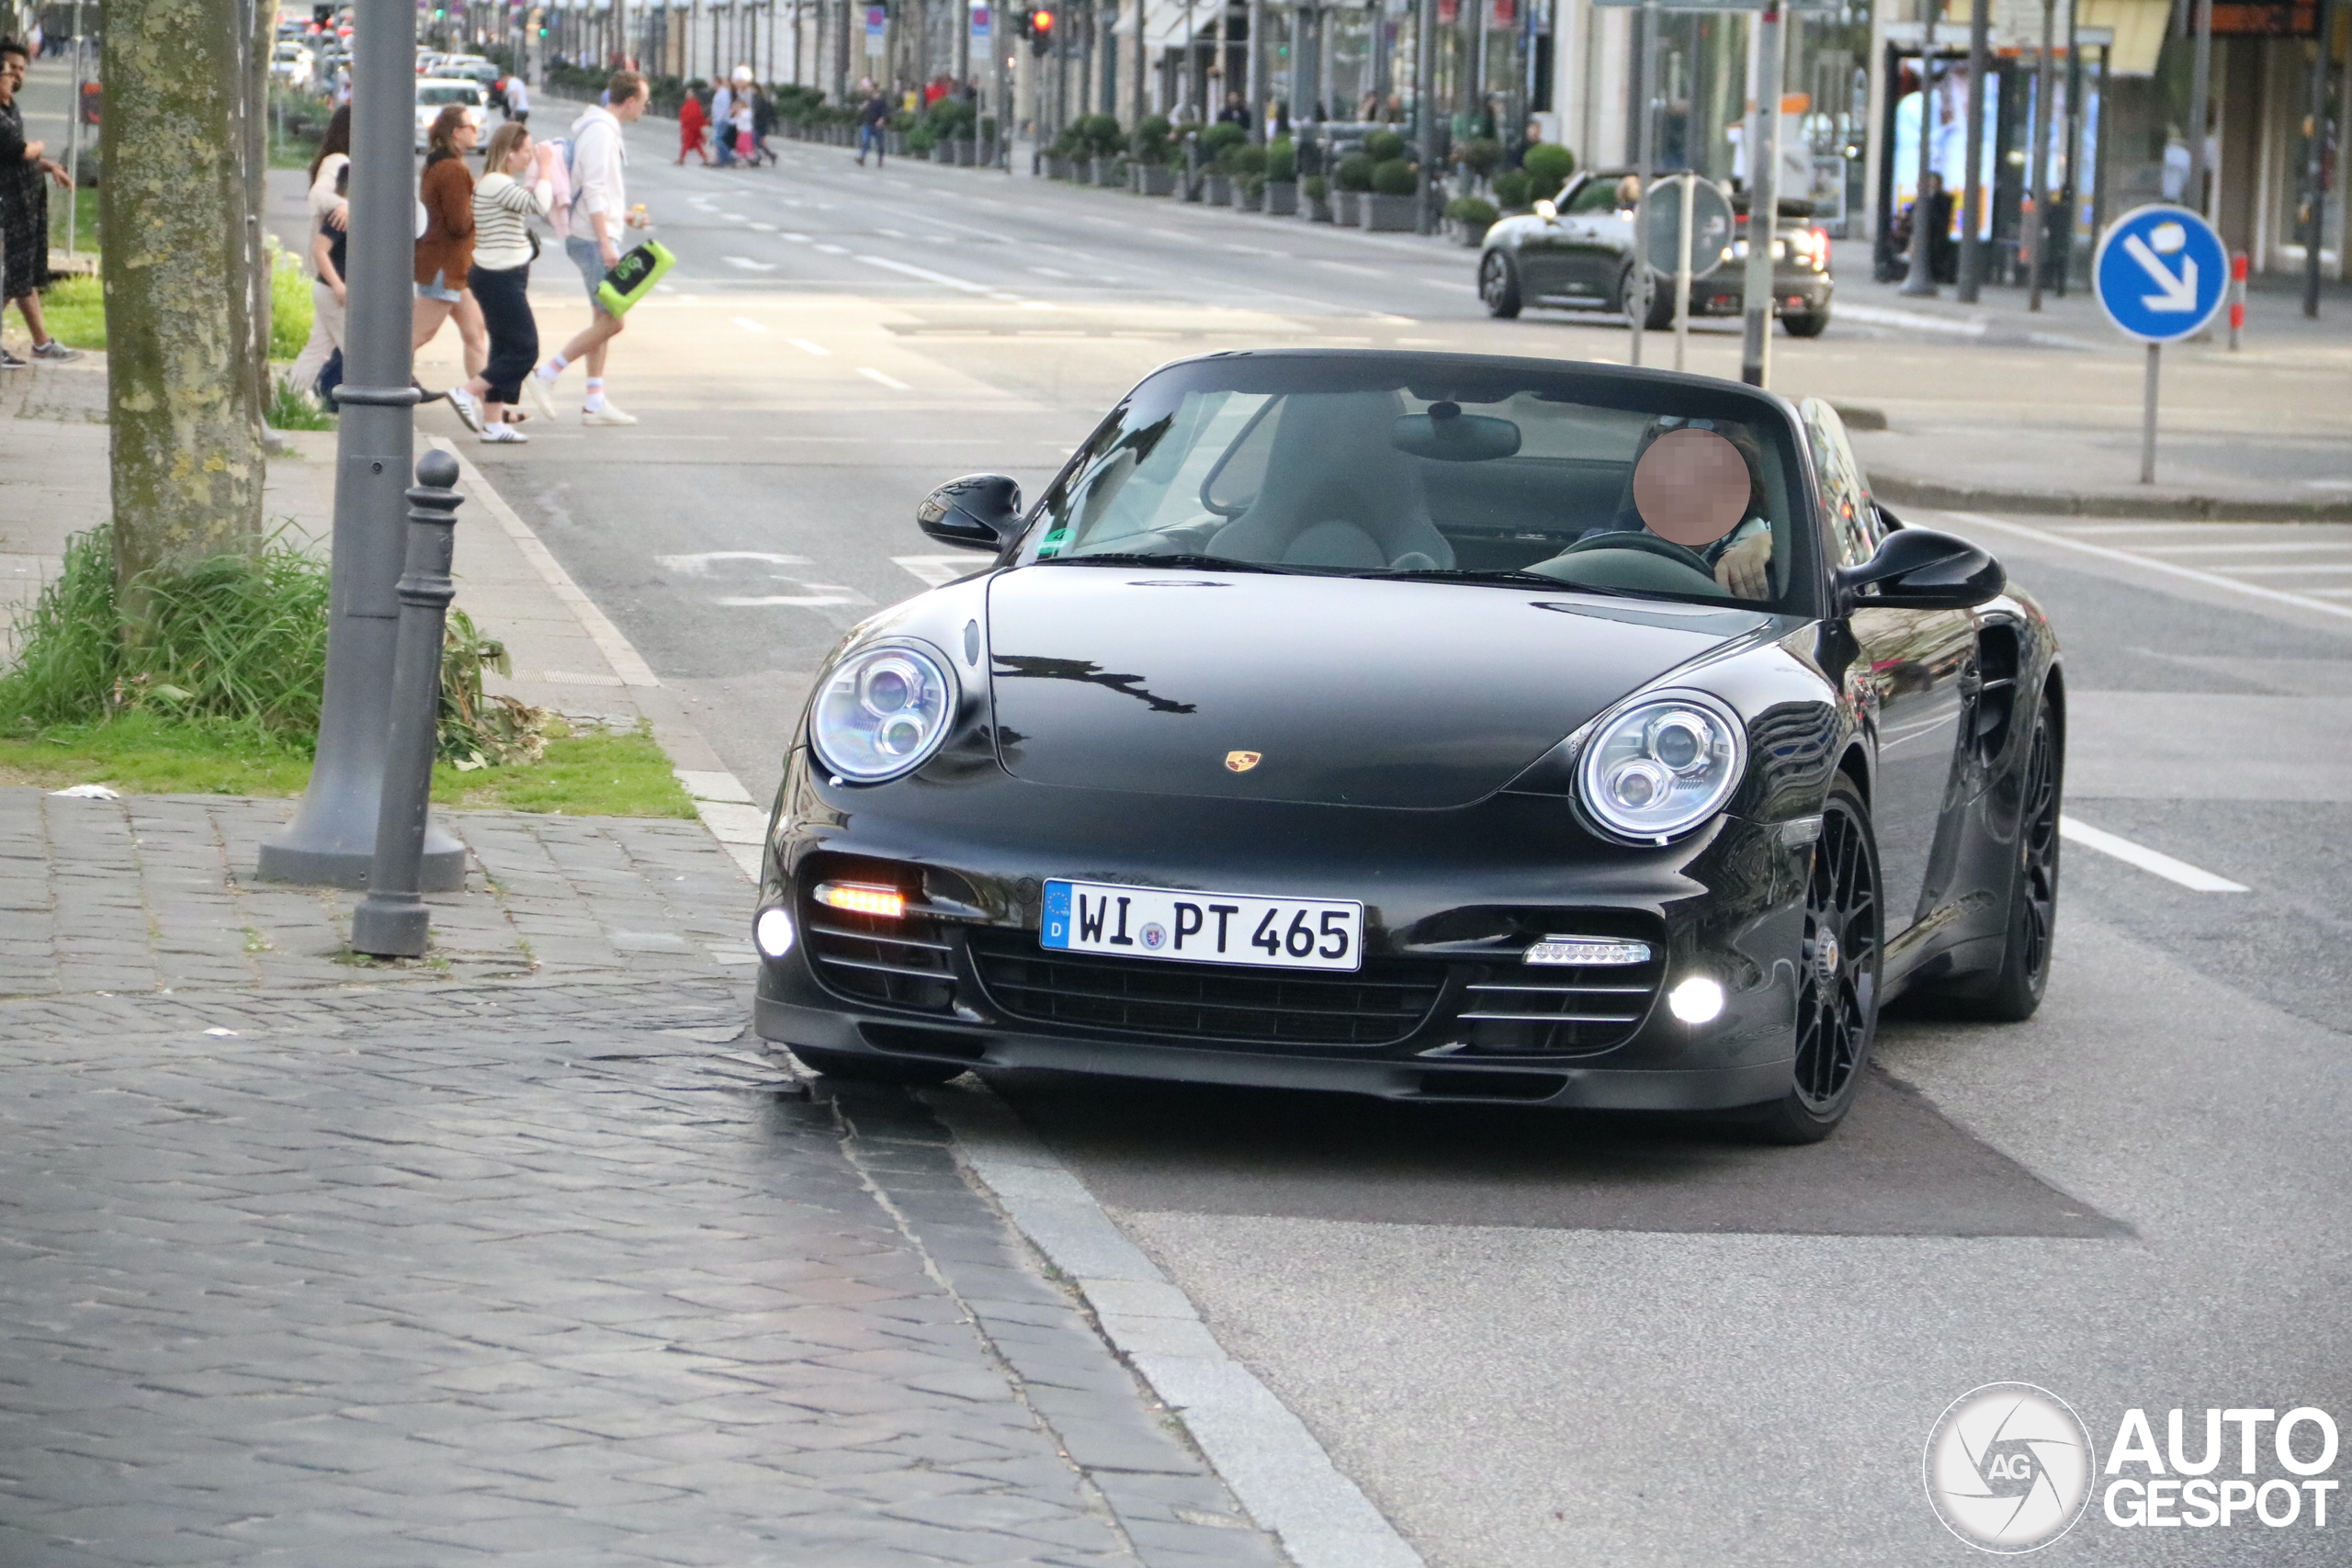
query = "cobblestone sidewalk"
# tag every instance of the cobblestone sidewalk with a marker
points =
(533, 1258)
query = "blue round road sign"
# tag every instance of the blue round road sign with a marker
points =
(2160, 273)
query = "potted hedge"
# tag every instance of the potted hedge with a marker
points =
(1247, 164)
(1471, 217)
(1282, 179)
(1353, 179)
(1216, 182)
(1148, 149)
(1512, 188)
(1061, 157)
(1388, 209)
(1547, 166)
(1315, 204)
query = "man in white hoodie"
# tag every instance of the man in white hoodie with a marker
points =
(599, 207)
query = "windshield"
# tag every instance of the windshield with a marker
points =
(427, 97)
(1442, 469)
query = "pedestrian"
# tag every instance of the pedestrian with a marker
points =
(599, 204)
(871, 119)
(330, 236)
(722, 121)
(327, 200)
(24, 212)
(746, 143)
(1235, 112)
(690, 128)
(518, 99)
(762, 124)
(500, 277)
(446, 251)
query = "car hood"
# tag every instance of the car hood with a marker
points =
(1344, 692)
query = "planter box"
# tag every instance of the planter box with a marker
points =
(1216, 189)
(1111, 172)
(1471, 235)
(966, 152)
(1387, 214)
(894, 143)
(1154, 179)
(1056, 168)
(1347, 208)
(1243, 201)
(1282, 198)
(1314, 211)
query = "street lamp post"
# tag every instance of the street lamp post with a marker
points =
(1971, 219)
(1763, 202)
(1425, 113)
(332, 840)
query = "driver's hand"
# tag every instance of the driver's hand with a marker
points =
(1746, 569)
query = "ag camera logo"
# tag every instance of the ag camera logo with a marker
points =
(2008, 1467)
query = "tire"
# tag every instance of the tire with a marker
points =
(1812, 323)
(1837, 1005)
(1498, 284)
(2012, 993)
(857, 1067)
(1661, 314)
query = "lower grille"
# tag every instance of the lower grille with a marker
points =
(1383, 1003)
(900, 963)
(1568, 1010)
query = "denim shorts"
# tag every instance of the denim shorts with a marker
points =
(439, 289)
(584, 256)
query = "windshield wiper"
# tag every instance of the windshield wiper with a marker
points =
(1182, 563)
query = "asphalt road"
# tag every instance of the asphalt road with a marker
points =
(1534, 1341)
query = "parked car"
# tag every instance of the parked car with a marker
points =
(1580, 256)
(292, 65)
(1432, 727)
(436, 94)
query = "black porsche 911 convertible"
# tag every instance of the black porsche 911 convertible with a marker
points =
(1432, 726)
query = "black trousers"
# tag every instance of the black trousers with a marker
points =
(503, 296)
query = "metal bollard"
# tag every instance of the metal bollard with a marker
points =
(391, 920)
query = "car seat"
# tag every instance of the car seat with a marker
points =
(1337, 493)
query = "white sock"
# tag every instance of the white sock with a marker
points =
(595, 402)
(553, 368)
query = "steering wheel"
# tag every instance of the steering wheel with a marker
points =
(1648, 543)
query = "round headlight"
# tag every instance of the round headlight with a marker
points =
(882, 712)
(1662, 767)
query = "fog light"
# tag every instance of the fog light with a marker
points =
(863, 899)
(1696, 1000)
(773, 932)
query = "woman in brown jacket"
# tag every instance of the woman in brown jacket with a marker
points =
(446, 250)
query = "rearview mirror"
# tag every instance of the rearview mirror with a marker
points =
(1547, 210)
(1448, 434)
(979, 511)
(1920, 569)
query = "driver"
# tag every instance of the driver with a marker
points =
(1698, 483)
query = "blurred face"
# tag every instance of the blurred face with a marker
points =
(468, 132)
(12, 72)
(520, 159)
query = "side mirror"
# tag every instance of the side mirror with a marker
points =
(979, 511)
(1920, 569)
(1547, 210)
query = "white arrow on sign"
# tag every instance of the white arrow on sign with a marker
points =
(2179, 292)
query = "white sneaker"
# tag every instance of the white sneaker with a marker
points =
(608, 414)
(466, 408)
(504, 435)
(537, 385)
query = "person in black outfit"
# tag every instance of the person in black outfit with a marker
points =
(24, 212)
(870, 120)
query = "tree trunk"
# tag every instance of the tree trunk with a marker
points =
(186, 321)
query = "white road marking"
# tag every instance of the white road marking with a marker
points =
(699, 564)
(891, 233)
(748, 264)
(2255, 547)
(788, 234)
(892, 383)
(965, 284)
(734, 217)
(936, 569)
(2298, 568)
(765, 228)
(2212, 579)
(834, 250)
(2146, 859)
(1351, 266)
(747, 324)
(1049, 271)
(805, 346)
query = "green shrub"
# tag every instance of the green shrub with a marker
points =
(1480, 155)
(1254, 187)
(1316, 188)
(1395, 177)
(1549, 166)
(1354, 172)
(1282, 162)
(1382, 146)
(922, 139)
(293, 408)
(1150, 143)
(1512, 188)
(289, 305)
(1472, 211)
(1244, 161)
(1067, 144)
(1100, 134)
(950, 119)
(1215, 139)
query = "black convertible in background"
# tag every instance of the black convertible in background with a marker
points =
(1432, 726)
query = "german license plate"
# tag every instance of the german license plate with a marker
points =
(1203, 928)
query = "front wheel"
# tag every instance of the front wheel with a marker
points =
(1838, 977)
(1628, 301)
(1498, 284)
(857, 1067)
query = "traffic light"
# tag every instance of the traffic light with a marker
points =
(1041, 31)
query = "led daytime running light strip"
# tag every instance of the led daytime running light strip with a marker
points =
(863, 899)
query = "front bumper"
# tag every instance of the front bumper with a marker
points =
(1452, 898)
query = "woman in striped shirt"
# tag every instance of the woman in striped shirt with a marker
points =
(511, 192)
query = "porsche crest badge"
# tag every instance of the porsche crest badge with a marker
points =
(1240, 761)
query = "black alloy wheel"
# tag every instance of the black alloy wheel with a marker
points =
(1661, 316)
(1837, 979)
(1498, 284)
(2012, 993)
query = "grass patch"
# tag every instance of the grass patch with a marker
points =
(145, 753)
(76, 309)
(290, 409)
(86, 218)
